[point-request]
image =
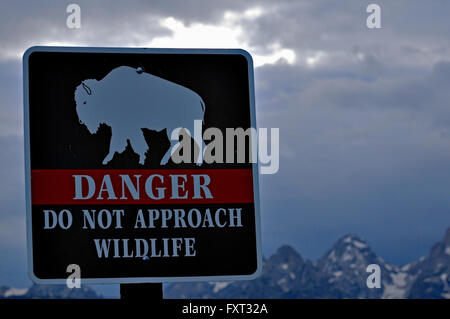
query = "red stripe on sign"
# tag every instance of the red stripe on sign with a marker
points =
(141, 186)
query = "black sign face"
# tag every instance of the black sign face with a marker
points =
(134, 167)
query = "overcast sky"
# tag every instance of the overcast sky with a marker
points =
(364, 115)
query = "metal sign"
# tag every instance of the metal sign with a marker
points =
(139, 165)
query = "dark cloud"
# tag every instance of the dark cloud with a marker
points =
(413, 32)
(358, 154)
(104, 23)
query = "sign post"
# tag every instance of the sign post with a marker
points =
(140, 165)
(152, 291)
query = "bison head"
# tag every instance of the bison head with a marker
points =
(86, 110)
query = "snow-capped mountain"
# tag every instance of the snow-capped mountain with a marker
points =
(345, 267)
(346, 263)
(340, 273)
(433, 277)
(49, 292)
(285, 275)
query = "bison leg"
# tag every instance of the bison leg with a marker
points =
(168, 154)
(172, 135)
(173, 138)
(139, 146)
(109, 156)
(116, 145)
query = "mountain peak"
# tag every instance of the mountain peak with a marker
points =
(433, 276)
(348, 250)
(354, 240)
(447, 237)
(286, 254)
(287, 250)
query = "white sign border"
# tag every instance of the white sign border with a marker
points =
(120, 280)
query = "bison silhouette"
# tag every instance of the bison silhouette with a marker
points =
(128, 100)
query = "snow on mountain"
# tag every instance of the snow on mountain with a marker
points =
(340, 273)
(8, 292)
(220, 285)
(15, 292)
